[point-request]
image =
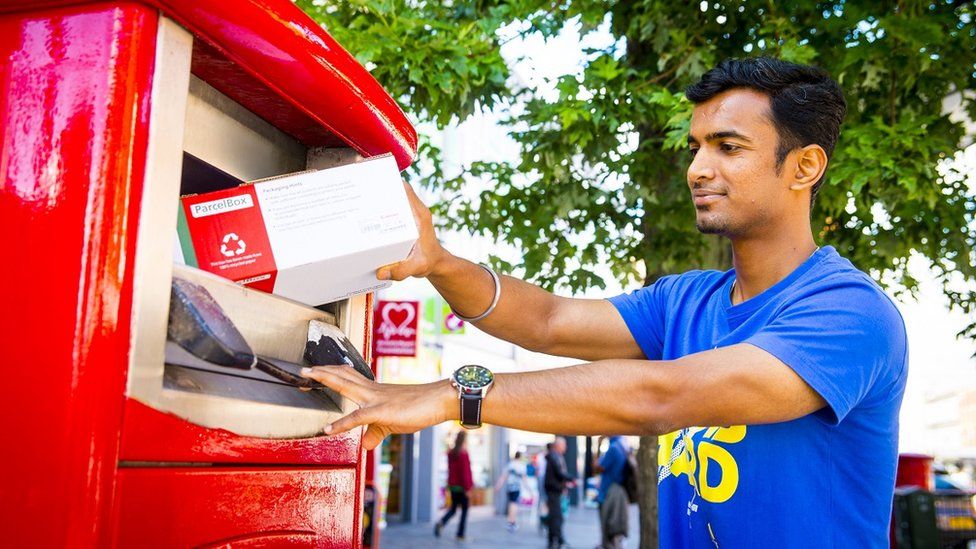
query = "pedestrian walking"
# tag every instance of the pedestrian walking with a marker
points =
(557, 480)
(512, 479)
(459, 484)
(612, 496)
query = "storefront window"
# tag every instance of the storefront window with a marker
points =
(390, 477)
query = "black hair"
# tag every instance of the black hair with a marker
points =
(807, 105)
(518, 455)
(458, 443)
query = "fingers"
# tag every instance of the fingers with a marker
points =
(421, 213)
(349, 373)
(351, 420)
(419, 208)
(416, 263)
(345, 372)
(341, 379)
(374, 434)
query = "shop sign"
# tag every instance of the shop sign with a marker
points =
(441, 318)
(395, 328)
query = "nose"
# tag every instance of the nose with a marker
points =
(700, 168)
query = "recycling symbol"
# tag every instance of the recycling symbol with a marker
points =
(229, 251)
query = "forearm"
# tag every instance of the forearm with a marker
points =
(736, 385)
(523, 311)
(626, 397)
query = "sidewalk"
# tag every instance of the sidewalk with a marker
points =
(485, 529)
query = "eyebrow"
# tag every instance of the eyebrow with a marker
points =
(724, 134)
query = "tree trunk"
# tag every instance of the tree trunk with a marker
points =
(647, 491)
(647, 462)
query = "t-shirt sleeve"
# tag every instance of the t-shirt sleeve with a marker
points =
(645, 312)
(843, 342)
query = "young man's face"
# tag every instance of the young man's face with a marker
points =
(735, 185)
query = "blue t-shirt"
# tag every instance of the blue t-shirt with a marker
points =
(823, 480)
(612, 463)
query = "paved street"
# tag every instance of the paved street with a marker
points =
(485, 529)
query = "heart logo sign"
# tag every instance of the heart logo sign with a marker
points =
(397, 319)
(395, 328)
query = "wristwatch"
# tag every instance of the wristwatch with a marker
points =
(472, 382)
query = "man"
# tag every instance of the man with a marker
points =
(612, 496)
(557, 479)
(775, 386)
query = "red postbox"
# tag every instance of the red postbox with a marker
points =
(104, 444)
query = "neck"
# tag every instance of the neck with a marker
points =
(760, 263)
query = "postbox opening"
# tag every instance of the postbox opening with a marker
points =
(220, 143)
(199, 177)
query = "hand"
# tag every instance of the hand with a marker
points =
(426, 252)
(385, 408)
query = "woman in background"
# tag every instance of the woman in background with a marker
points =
(459, 483)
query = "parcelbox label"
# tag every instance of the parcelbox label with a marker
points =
(223, 205)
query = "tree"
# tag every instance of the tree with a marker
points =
(600, 181)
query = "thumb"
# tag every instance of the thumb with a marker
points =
(373, 437)
(411, 265)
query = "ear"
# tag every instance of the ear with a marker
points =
(811, 162)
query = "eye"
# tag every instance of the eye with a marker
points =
(729, 147)
(693, 151)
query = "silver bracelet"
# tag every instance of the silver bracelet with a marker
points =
(494, 301)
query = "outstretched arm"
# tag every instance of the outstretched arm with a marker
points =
(527, 315)
(740, 384)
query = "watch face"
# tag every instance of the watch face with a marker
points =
(473, 377)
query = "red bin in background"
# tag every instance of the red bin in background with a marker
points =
(103, 106)
(915, 470)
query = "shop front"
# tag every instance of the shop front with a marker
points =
(411, 470)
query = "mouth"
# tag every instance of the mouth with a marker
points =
(703, 198)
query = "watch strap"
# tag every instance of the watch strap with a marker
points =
(471, 409)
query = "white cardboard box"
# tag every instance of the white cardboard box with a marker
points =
(315, 237)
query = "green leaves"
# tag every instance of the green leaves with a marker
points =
(441, 61)
(605, 69)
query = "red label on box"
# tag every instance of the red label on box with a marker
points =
(395, 328)
(229, 237)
